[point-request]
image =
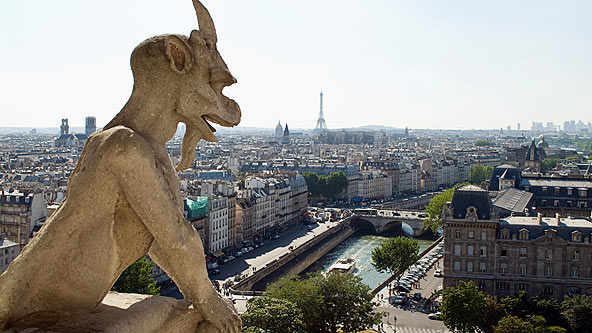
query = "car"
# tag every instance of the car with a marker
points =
(276, 236)
(416, 296)
(437, 273)
(238, 254)
(399, 300)
(212, 265)
(215, 271)
(309, 227)
(435, 315)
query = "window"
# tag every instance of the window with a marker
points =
(505, 234)
(574, 272)
(504, 268)
(568, 203)
(557, 191)
(483, 235)
(582, 204)
(470, 250)
(548, 291)
(570, 191)
(457, 265)
(482, 267)
(544, 189)
(582, 193)
(522, 252)
(504, 253)
(457, 234)
(556, 203)
(549, 254)
(470, 235)
(576, 236)
(574, 291)
(502, 285)
(576, 255)
(457, 250)
(521, 286)
(543, 202)
(469, 266)
(549, 270)
(523, 234)
(483, 251)
(522, 269)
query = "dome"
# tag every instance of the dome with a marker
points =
(542, 143)
(279, 130)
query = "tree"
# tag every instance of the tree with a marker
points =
(577, 311)
(347, 304)
(493, 311)
(328, 302)
(550, 309)
(336, 183)
(272, 315)
(434, 208)
(513, 324)
(518, 305)
(482, 143)
(549, 163)
(312, 182)
(462, 307)
(395, 255)
(137, 278)
(480, 173)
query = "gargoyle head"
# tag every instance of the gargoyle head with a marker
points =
(194, 73)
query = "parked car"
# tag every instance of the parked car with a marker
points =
(276, 236)
(212, 265)
(309, 227)
(438, 273)
(238, 254)
(399, 300)
(416, 296)
(435, 315)
(215, 271)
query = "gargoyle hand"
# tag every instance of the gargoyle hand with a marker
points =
(220, 312)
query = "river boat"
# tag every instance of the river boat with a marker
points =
(343, 266)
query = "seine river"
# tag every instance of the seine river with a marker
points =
(359, 246)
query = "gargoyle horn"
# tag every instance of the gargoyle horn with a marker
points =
(206, 24)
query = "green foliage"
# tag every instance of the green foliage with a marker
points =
(550, 309)
(137, 278)
(433, 210)
(577, 310)
(513, 324)
(396, 254)
(328, 302)
(326, 186)
(493, 311)
(584, 145)
(549, 163)
(482, 143)
(518, 305)
(265, 314)
(480, 173)
(462, 307)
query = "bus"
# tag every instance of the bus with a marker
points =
(366, 211)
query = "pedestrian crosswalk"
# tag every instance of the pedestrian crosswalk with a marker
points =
(390, 329)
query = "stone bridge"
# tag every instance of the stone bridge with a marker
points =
(385, 219)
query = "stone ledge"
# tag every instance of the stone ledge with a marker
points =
(121, 313)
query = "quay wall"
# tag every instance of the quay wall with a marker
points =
(299, 259)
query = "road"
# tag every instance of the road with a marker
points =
(261, 256)
(408, 318)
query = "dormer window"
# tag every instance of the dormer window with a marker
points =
(544, 189)
(505, 234)
(576, 236)
(570, 191)
(524, 234)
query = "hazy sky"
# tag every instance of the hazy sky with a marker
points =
(422, 64)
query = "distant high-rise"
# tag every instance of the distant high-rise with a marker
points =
(91, 125)
(406, 132)
(518, 126)
(321, 124)
(64, 128)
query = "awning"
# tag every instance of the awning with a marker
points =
(218, 254)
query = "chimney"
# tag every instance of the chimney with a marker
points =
(527, 212)
(540, 217)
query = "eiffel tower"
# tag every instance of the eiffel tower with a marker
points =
(321, 124)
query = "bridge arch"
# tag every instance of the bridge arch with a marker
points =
(359, 223)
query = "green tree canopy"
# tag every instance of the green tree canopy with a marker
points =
(549, 163)
(328, 302)
(577, 310)
(513, 324)
(272, 315)
(137, 278)
(462, 307)
(336, 183)
(434, 208)
(326, 186)
(493, 311)
(480, 173)
(482, 143)
(395, 255)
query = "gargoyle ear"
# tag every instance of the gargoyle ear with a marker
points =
(179, 54)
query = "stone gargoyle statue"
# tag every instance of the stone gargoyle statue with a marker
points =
(123, 197)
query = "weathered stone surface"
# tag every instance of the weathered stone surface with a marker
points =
(121, 313)
(124, 201)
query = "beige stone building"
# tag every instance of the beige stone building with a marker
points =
(540, 255)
